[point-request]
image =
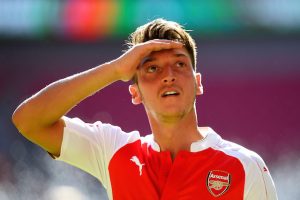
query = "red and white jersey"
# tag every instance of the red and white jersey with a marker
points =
(133, 167)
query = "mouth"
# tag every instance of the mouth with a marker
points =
(170, 93)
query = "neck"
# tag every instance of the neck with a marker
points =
(175, 134)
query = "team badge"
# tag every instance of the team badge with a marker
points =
(218, 182)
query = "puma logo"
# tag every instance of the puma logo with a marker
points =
(138, 163)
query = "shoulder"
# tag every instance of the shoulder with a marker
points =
(258, 180)
(98, 132)
(251, 161)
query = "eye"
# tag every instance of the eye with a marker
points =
(152, 69)
(180, 64)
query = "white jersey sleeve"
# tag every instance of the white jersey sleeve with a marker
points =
(259, 183)
(90, 147)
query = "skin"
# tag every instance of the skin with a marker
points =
(38, 121)
(169, 71)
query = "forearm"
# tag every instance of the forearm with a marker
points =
(51, 103)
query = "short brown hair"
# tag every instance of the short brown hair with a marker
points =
(163, 29)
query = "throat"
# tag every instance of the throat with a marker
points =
(176, 133)
(177, 140)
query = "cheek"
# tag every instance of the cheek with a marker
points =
(191, 88)
(149, 78)
(146, 90)
(148, 83)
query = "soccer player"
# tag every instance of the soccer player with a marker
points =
(179, 160)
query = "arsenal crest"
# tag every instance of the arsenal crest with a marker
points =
(218, 182)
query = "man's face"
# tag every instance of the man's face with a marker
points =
(167, 84)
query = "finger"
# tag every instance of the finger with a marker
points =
(165, 41)
(157, 45)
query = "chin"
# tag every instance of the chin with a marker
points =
(172, 115)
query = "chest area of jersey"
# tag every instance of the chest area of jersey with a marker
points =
(209, 174)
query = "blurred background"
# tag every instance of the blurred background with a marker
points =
(248, 54)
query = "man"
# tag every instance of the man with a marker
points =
(179, 160)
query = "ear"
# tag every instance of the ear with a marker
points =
(135, 94)
(199, 87)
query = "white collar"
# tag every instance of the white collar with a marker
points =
(210, 139)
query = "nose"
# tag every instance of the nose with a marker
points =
(169, 77)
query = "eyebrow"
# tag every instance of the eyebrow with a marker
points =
(150, 59)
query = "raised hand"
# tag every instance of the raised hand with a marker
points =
(127, 64)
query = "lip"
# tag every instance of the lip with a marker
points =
(174, 90)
